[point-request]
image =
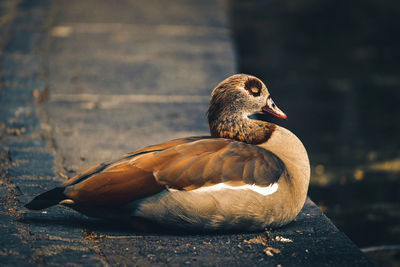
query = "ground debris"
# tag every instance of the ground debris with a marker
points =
(63, 175)
(268, 234)
(91, 235)
(283, 239)
(40, 95)
(257, 240)
(94, 236)
(16, 131)
(270, 251)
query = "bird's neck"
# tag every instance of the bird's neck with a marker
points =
(239, 127)
(284, 144)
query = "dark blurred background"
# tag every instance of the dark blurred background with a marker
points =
(332, 66)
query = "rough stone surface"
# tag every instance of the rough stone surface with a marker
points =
(80, 85)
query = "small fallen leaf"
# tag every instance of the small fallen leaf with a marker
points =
(270, 251)
(257, 240)
(63, 175)
(283, 239)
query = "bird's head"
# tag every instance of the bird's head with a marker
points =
(236, 99)
(242, 95)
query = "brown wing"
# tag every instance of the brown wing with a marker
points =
(183, 164)
(210, 161)
(118, 181)
(119, 184)
(101, 167)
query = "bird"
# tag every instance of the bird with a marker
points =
(249, 174)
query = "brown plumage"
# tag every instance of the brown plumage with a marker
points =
(205, 182)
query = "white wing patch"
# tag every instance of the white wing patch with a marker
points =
(263, 190)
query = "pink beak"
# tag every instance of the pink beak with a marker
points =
(274, 110)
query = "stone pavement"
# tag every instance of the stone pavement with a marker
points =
(86, 81)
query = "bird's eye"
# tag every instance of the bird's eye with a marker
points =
(253, 86)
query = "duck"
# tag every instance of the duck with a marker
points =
(249, 174)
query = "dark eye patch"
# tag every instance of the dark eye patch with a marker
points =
(253, 86)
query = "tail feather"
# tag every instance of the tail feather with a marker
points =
(47, 199)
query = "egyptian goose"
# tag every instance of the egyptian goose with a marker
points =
(248, 175)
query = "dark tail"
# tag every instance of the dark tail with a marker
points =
(47, 199)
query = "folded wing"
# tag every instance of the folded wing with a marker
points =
(182, 164)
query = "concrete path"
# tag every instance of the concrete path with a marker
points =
(86, 81)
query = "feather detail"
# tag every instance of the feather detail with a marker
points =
(210, 161)
(119, 184)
